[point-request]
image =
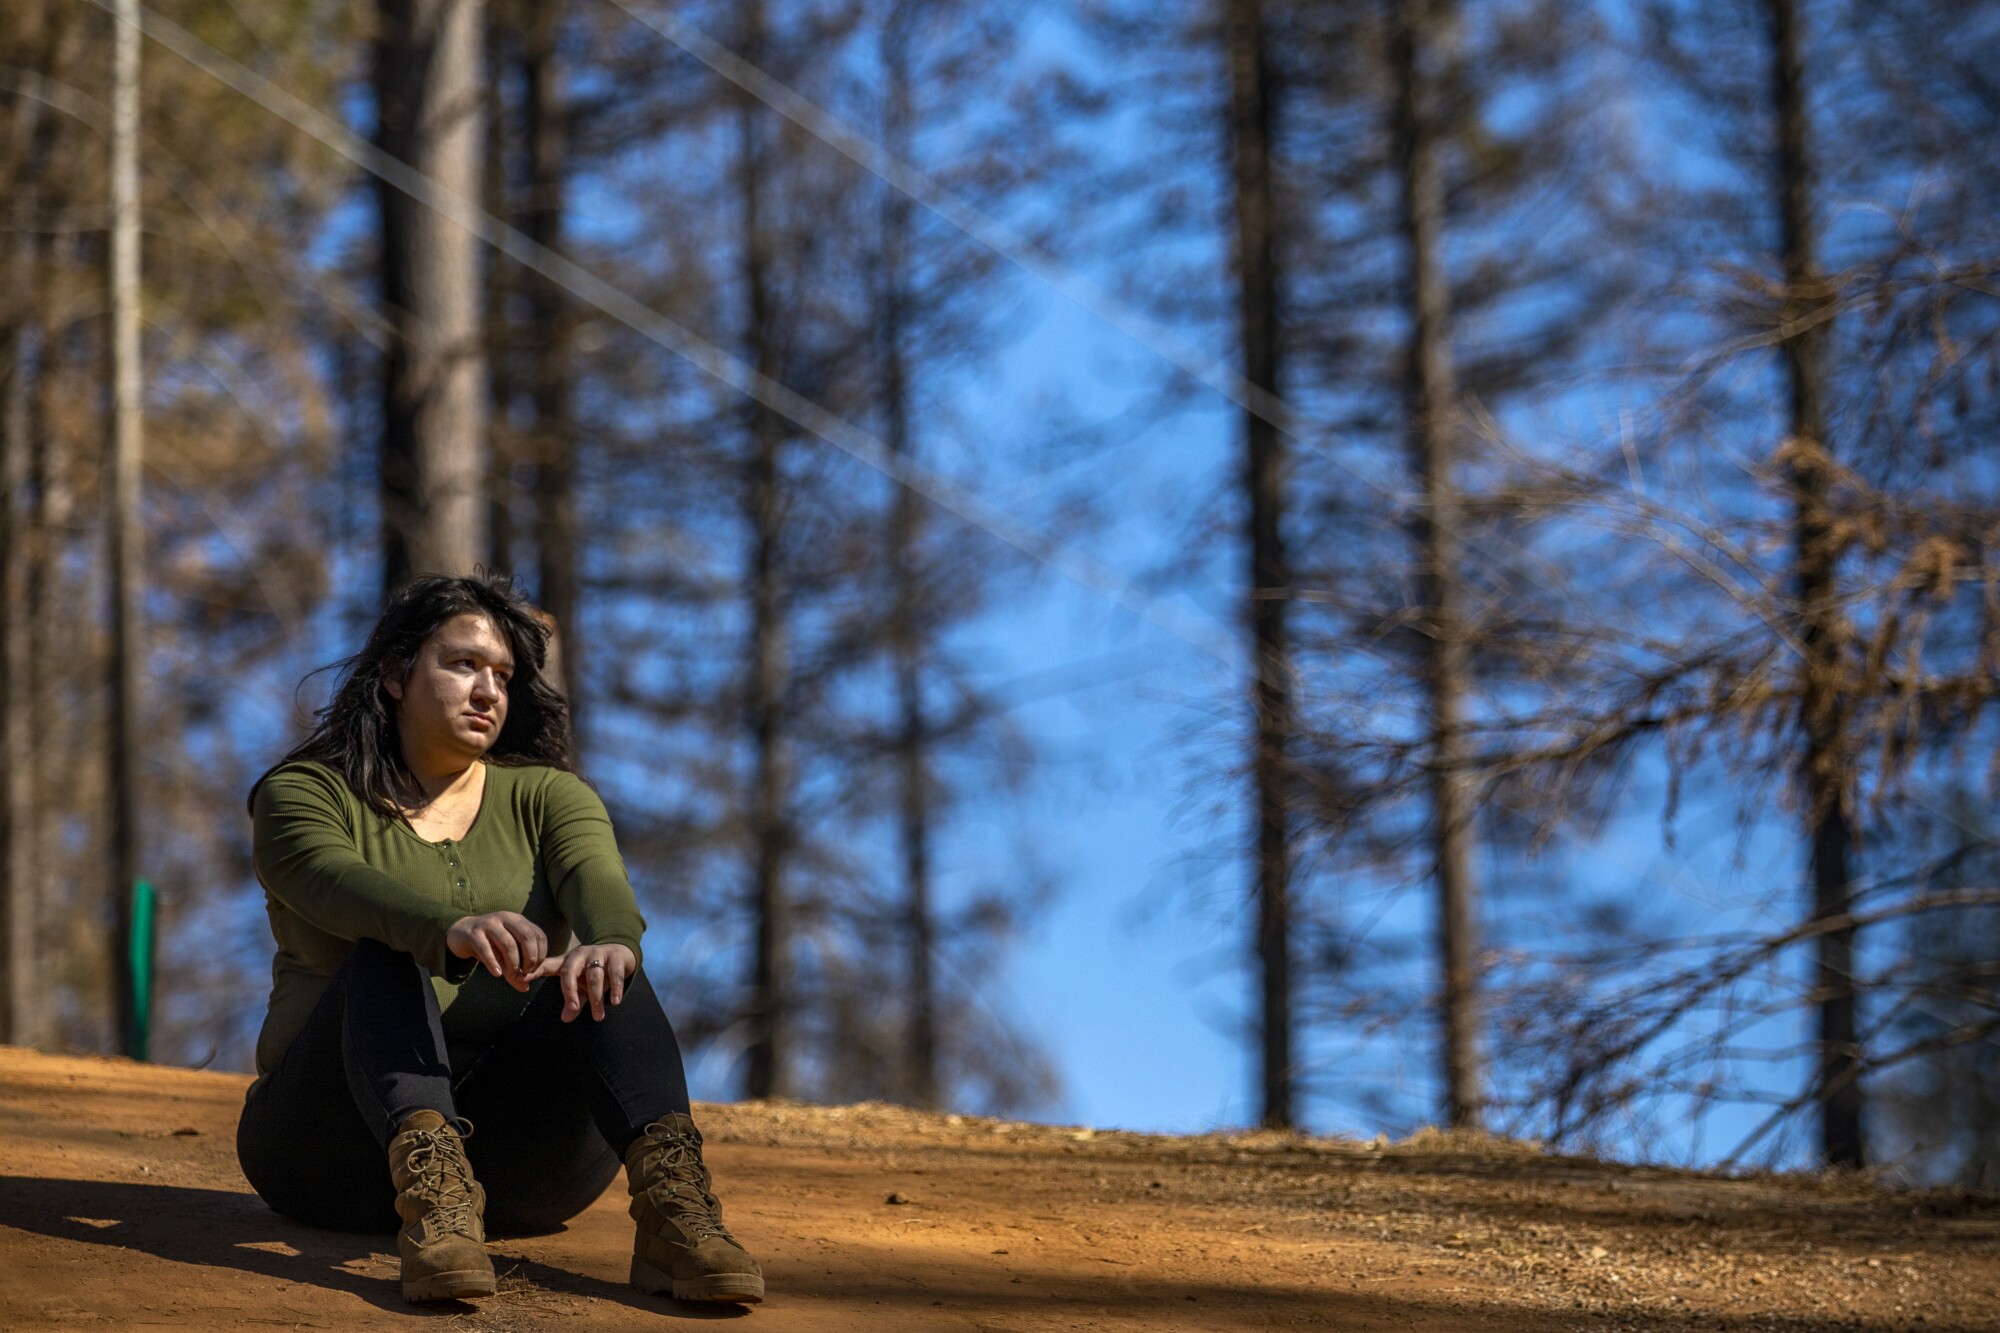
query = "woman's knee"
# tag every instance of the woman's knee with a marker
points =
(325, 1175)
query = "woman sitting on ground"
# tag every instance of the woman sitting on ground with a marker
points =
(426, 856)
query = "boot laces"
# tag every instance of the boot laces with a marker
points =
(674, 1163)
(443, 1180)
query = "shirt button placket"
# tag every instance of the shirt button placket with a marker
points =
(457, 872)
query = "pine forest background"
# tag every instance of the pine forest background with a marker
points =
(1525, 474)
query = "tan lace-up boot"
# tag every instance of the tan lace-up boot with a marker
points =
(443, 1240)
(682, 1248)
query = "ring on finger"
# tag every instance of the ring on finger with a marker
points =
(596, 962)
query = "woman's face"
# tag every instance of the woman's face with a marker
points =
(452, 704)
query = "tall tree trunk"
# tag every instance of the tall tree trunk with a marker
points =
(127, 553)
(434, 409)
(920, 1077)
(1250, 128)
(1435, 427)
(503, 338)
(51, 602)
(545, 122)
(1823, 767)
(24, 1017)
(768, 663)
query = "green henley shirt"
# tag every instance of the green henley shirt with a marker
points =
(334, 871)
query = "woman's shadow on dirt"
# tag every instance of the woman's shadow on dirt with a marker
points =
(224, 1229)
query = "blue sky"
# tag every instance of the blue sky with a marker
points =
(1133, 979)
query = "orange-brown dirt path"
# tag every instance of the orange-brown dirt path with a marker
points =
(121, 1207)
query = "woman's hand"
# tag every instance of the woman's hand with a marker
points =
(512, 947)
(596, 972)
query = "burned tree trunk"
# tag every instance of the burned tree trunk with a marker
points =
(20, 894)
(499, 321)
(544, 122)
(912, 738)
(1435, 428)
(768, 664)
(1824, 762)
(1250, 117)
(52, 617)
(434, 400)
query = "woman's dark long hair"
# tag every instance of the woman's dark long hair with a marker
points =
(356, 731)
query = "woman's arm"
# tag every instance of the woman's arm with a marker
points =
(587, 876)
(307, 859)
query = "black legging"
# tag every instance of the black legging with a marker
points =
(553, 1105)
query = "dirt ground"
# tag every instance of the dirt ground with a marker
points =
(121, 1206)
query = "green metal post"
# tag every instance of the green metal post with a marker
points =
(144, 933)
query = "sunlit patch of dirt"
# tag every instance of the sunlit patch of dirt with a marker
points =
(121, 1205)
